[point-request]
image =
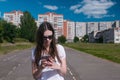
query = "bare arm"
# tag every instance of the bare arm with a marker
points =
(62, 68)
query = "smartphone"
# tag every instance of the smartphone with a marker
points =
(46, 57)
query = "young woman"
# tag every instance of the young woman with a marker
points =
(48, 58)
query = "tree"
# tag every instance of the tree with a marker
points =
(76, 39)
(18, 32)
(1, 30)
(28, 26)
(9, 32)
(62, 39)
(85, 38)
(1, 34)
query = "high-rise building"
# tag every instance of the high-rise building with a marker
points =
(92, 26)
(116, 23)
(112, 35)
(55, 19)
(13, 17)
(104, 25)
(65, 31)
(80, 29)
(69, 30)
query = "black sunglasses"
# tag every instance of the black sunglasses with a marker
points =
(48, 37)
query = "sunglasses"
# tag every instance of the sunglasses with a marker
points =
(48, 37)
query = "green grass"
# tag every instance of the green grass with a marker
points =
(106, 51)
(8, 47)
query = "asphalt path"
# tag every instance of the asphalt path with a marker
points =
(87, 67)
(80, 66)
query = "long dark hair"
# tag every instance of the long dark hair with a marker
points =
(39, 42)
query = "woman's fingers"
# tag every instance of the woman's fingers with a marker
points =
(47, 62)
(43, 63)
(51, 59)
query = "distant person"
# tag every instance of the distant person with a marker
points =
(48, 58)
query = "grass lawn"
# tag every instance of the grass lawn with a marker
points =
(9, 47)
(106, 51)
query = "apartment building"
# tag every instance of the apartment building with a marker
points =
(13, 17)
(108, 35)
(37, 23)
(93, 36)
(80, 29)
(91, 26)
(116, 23)
(112, 35)
(69, 30)
(104, 25)
(55, 19)
(65, 30)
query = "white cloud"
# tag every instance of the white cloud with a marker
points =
(93, 8)
(75, 7)
(2, 0)
(51, 7)
(109, 15)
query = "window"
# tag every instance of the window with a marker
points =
(117, 39)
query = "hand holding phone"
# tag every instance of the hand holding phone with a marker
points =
(45, 57)
(45, 60)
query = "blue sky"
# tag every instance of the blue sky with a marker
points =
(74, 10)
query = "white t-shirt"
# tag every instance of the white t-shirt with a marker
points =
(52, 74)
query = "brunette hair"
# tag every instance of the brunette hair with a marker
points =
(39, 43)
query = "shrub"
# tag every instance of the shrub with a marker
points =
(76, 39)
(62, 39)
